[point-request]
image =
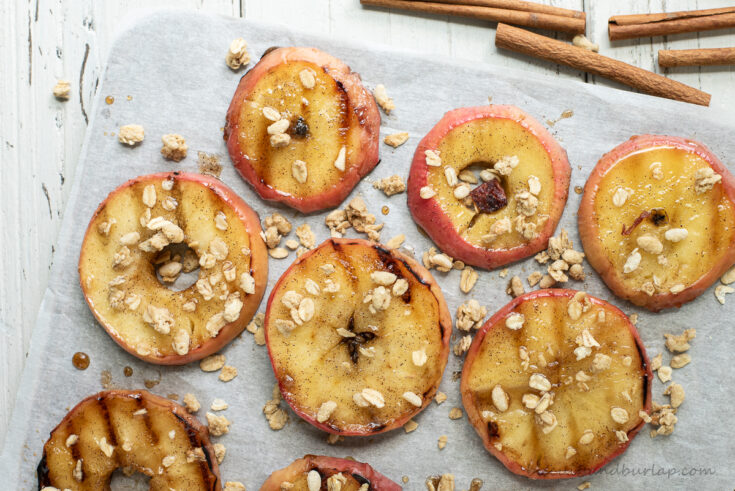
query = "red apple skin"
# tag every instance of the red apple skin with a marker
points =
(445, 321)
(428, 214)
(361, 101)
(473, 415)
(589, 234)
(258, 267)
(199, 433)
(328, 466)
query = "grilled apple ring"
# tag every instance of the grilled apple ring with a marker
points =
(657, 220)
(304, 474)
(133, 231)
(511, 208)
(302, 129)
(358, 336)
(554, 384)
(129, 429)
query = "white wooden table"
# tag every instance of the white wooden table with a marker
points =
(40, 137)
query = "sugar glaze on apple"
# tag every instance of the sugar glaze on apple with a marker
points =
(302, 129)
(554, 383)
(358, 337)
(512, 209)
(130, 232)
(119, 429)
(657, 220)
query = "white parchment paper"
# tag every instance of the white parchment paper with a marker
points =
(172, 65)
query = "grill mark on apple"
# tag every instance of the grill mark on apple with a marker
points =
(345, 260)
(644, 371)
(69, 429)
(344, 113)
(100, 404)
(147, 421)
(104, 410)
(383, 252)
(362, 480)
(42, 472)
(264, 150)
(195, 442)
(389, 262)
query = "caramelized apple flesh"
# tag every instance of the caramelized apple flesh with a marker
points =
(362, 335)
(118, 271)
(488, 184)
(320, 124)
(590, 370)
(302, 129)
(707, 217)
(134, 430)
(481, 143)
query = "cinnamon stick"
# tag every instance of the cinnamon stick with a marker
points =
(551, 22)
(661, 24)
(517, 5)
(526, 42)
(695, 57)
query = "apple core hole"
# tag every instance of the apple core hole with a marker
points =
(186, 276)
(133, 482)
(481, 165)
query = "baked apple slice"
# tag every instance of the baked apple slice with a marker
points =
(512, 209)
(657, 220)
(319, 472)
(358, 336)
(302, 129)
(554, 384)
(161, 224)
(132, 430)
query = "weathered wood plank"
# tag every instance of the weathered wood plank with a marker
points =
(644, 52)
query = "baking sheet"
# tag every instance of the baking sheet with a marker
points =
(171, 63)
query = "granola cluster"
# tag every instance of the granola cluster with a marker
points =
(62, 89)
(237, 54)
(174, 147)
(276, 227)
(390, 185)
(563, 263)
(469, 316)
(663, 416)
(277, 416)
(356, 216)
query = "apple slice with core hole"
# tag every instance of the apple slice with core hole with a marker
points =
(134, 430)
(511, 209)
(317, 472)
(198, 222)
(657, 220)
(554, 382)
(302, 129)
(358, 337)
